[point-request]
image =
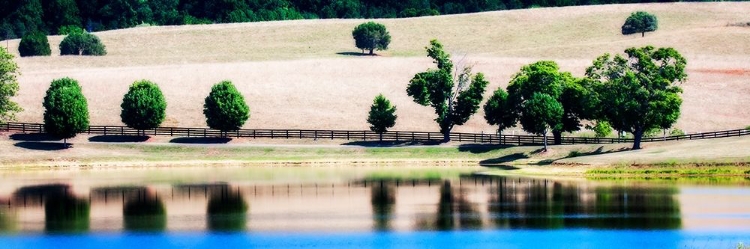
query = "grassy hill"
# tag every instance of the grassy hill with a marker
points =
(302, 74)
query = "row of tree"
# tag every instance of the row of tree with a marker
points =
(76, 43)
(18, 17)
(143, 107)
(635, 93)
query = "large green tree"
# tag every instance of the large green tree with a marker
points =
(82, 44)
(640, 22)
(545, 77)
(65, 109)
(540, 114)
(455, 96)
(34, 44)
(639, 92)
(498, 111)
(382, 115)
(143, 106)
(8, 86)
(371, 36)
(225, 108)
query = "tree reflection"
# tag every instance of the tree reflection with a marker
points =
(454, 211)
(7, 220)
(382, 199)
(544, 204)
(144, 211)
(65, 213)
(227, 210)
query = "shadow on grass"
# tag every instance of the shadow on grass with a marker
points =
(598, 151)
(481, 148)
(496, 162)
(356, 54)
(388, 143)
(33, 137)
(118, 139)
(45, 146)
(200, 140)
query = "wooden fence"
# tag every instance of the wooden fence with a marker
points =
(363, 135)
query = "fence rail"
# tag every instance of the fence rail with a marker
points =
(363, 135)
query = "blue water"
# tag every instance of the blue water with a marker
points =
(609, 239)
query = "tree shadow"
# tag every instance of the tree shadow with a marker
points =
(45, 146)
(118, 139)
(481, 148)
(356, 54)
(201, 140)
(598, 151)
(33, 137)
(496, 162)
(388, 143)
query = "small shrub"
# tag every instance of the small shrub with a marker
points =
(601, 128)
(676, 132)
(34, 44)
(747, 128)
(82, 44)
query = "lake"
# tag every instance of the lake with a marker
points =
(365, 207)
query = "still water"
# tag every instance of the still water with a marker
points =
(345, 207)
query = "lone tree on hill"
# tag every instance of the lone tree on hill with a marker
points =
(454, 95)
(382, 115)
(82, 44)
(34, 44)
(65, 109)
(497, 111)
(225, 108)
(545, 77)
(639, 93)
(143, 107)
(8, 86)
(640, 22)
(371, 36)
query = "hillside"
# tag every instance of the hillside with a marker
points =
(298, 74)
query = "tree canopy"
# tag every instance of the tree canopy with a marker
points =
(371, 36)
(640, 22)
(455, 96)
(541, 113)
(82, 44)
(382, 115)
(34, 44)
(143, 106)
(498, 111)
(639, 92)
(225, 108)
(65, 109)
(8, 86)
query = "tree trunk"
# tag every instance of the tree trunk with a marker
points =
(557, 135)
(446, 136)
(637, 135)
(500, 137)
(643, 34)
(371, 51)
(65, 143)
(545, 141)
(381, 136)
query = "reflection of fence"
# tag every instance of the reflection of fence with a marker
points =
(363, 135)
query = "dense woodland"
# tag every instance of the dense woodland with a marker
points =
(19, 17)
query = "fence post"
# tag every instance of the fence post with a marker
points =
(105, 130)
(397, 136)
(122, 130)
(204, 133)
(287, 134)
(347, 135)
(428, 136)
(331, 135)
(171, 131)
(271, 134)
(364, 136)
(315, 137)
(188, 132)
(23, 128)
(481, 139)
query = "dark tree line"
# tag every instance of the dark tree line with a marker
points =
(18, 17)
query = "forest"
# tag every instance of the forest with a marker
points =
(18, 17)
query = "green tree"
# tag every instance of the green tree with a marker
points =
(8, 86)
(454, 96)
(601, 128)
(639, 93)
(225, 108)
(143, 107)
(371, 36)
(82, 44)
(640, 22)
(545, 77)
(497, 111)
(34, 44)
(382, 115)
(65, 109)
(540, 114)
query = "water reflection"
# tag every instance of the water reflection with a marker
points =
(144, 211)
(454, 211)
(227, 210)
(8, 220)
(543, 204)
(383, 200)
(63, 211)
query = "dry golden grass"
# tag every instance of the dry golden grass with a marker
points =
(293, 76)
